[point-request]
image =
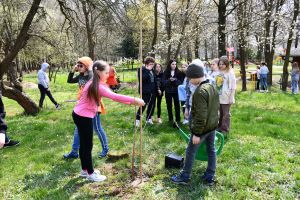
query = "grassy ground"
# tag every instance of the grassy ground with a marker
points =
(260, 159)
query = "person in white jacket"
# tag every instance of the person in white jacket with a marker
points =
(43, 84)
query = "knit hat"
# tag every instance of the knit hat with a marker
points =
(86, 61)
(194, 71)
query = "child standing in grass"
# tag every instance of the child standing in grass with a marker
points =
(295, 78)
(203, 123)
(172, 79)
(85, 111)
(214, 71)
(84, 67)
(149, 89)
(257, 76)
(226, 85)
(182, 91)
(158, 71)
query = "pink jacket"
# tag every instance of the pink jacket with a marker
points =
(87, 108)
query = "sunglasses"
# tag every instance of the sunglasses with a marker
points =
(79, 65)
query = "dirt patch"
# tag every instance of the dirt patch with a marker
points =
(29, 85)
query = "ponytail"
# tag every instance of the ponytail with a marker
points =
(93, 90)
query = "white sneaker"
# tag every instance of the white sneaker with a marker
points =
(85, 174)
(159, 120)
(96, 177)
(149, 121)
(137, 123)
(185, 121)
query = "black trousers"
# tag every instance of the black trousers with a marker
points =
(169, 97)
(3, 126)
(43, 92)
(158, 104)
(149, 100)
(85, 130)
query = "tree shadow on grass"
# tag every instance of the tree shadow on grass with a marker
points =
(54, 184)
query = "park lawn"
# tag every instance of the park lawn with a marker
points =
(260, 159)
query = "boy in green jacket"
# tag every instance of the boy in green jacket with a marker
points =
(203, 123)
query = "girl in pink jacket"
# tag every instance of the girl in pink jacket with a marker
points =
(87, 108)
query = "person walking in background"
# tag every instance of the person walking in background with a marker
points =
(148, 90)
(264, 77)
(85, 111)
(172, 79)
(43, 85)
(158, 71)
(295, 78)
(226, 85)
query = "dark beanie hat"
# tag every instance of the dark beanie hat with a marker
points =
(194, 71)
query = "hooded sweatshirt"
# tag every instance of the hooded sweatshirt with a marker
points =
(42, 76)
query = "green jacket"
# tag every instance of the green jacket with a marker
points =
(205, 108)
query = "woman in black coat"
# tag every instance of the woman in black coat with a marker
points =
(172, 79)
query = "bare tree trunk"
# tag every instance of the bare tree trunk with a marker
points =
(185, 22)
(155, 27)
(89, 30)
(189, 53)
(221, 28)
(289, 44)
(23, 100)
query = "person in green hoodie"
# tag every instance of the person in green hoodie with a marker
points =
(203, 123)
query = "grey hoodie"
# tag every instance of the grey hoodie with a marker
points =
(42, 76)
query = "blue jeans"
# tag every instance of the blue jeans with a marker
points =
(263, 81)
(100, 133)
(191, 151)
(295, 86)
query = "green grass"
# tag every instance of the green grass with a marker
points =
(260, 158)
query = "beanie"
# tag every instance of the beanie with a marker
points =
(86, 61)
(194, 71)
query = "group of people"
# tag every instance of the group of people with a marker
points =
(208, 90)
(178, 91)
(262, 72)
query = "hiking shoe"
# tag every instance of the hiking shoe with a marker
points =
(137, 123)
(179, 180)
(159, 120)
(71, 155)
(96, 177)
(11, 143)
(185, 121)
(103, 153)
(84, 173)
(57, 106)
(149, 121)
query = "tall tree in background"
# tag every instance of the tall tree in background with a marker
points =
(289, 44)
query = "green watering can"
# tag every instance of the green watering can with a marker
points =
(201, 153)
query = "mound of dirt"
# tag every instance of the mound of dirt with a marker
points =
(29, 85)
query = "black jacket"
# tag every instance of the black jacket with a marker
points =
(160, 81)
(148, 81)
(171, 86)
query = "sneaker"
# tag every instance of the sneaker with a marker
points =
(96, 177)
(11, 143)
(185, 121)
(84, 173)
(149, 121)
(159, 120)
(179, 180)
(57, 106)
(71, 155)
(103, 153)
(137, 123)
(209, 181)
